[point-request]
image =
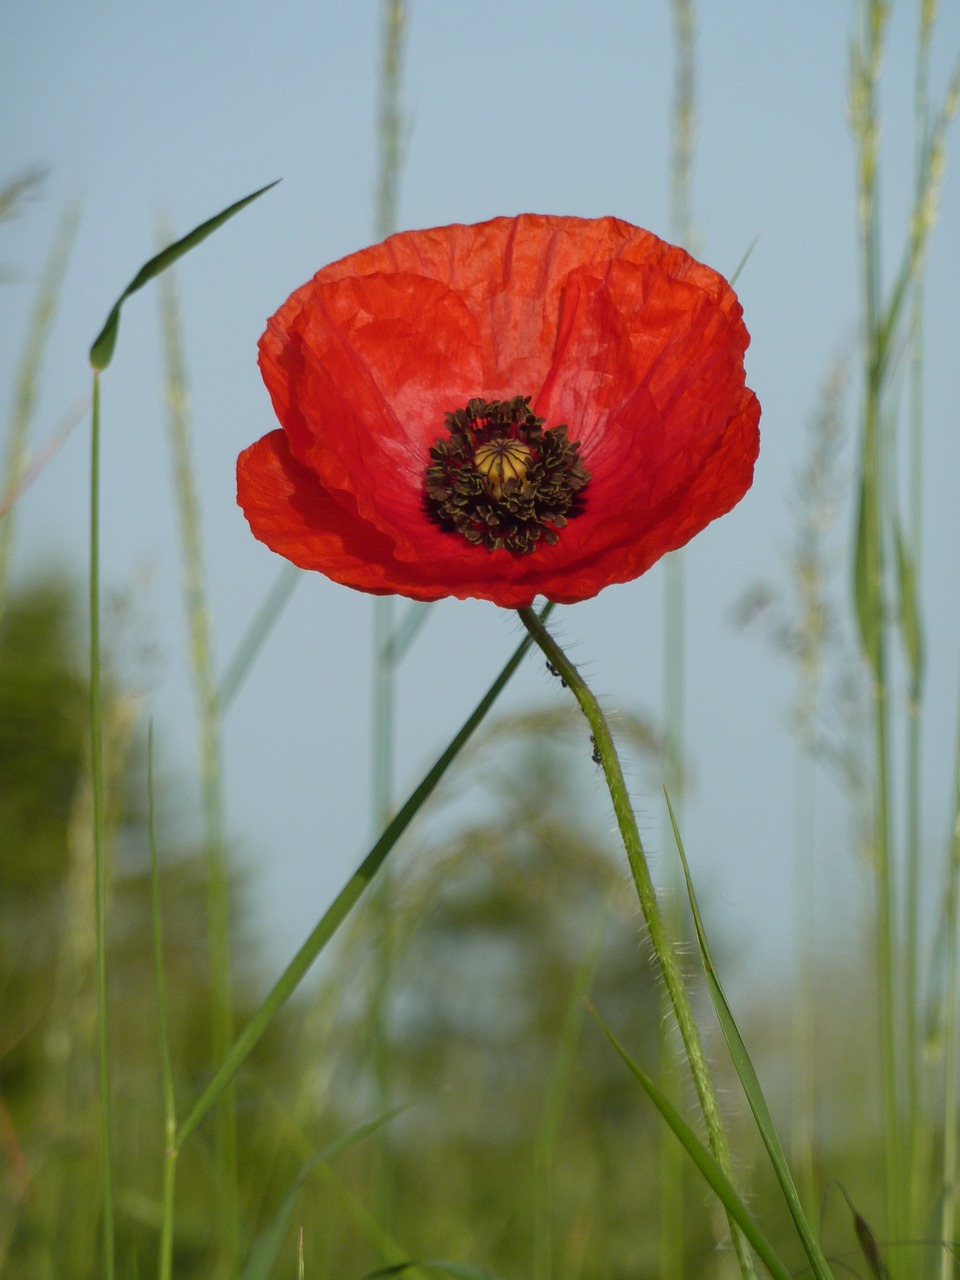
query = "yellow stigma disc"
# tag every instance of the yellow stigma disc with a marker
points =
(501, 461)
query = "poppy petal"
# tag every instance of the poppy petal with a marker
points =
(627, 340)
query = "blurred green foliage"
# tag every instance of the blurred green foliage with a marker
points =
(523, 1145)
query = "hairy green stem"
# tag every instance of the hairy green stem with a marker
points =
(660, 941)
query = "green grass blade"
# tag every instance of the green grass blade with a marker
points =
(923, 217)
(408, 628)
(101, 353)
(745, 259)
(557, 1093)
(28, 382)
(949, 1032)
(869, 1247)
(99, 851)
(748, 1079)
(864, 594)
(909, 611)
(165, 1266)
(252, 642)
(703, 1159)
(345, 900)
(209, 749)
(455, 1269)
(268, 1245)
(15, 190)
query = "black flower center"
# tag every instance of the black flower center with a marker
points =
(501, 480)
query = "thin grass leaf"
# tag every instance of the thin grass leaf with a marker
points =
(408, 628)
(378, 1240)
(684, 135)
(165, 1270)
(704, 1160)
(923, 217)
(14, 190)
(869, 1248)
(107, 1236)
(951, 1031)
(863, 593)
(745, 259)
(209, 749)
(866, 1240)
(390, 129)
(256, 634)
(267, 1247)
(28, 381)
(44, 455)
(334, 916)
(557, 1094)
(455, 1269)
(748, 1078)
(101, 353)
(909, 613)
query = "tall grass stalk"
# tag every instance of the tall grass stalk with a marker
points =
(917, 1135)
(749, 1079)
(165, 1265)
(886, 587)
(818, 501)
(556, 1095)
(950, 1204)
(254, 638)
(101, 354)
(911, 945)
(929, 144)
(27, 383)
(872, 589)
(390, 136)
(99, 852)
(661, 942)
(670, 1154)
(209, 750)
(808, 571)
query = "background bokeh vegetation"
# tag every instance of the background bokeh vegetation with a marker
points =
(521, 1144)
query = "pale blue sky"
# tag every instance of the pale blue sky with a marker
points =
(552, 107)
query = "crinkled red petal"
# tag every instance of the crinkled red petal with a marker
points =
(628, 340)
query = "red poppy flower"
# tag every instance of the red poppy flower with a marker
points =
(529, 406)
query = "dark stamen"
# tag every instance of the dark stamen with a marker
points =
(501, 480)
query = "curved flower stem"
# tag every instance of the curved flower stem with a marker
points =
(663, 949)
